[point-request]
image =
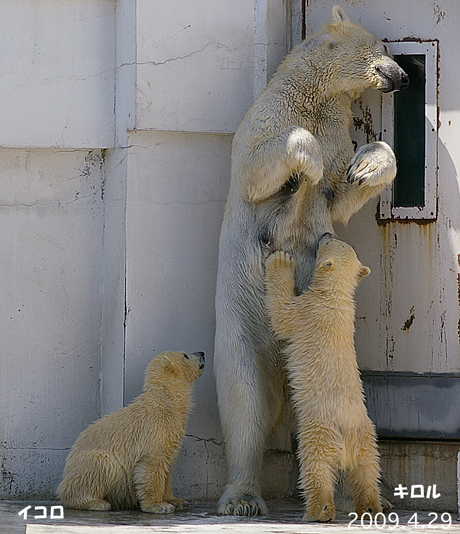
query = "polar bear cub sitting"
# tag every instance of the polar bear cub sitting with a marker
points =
(125, 459)
(334, 430)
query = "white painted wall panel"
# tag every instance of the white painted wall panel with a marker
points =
(177, 187)
(50, 280)
(176, 193)
(114, 252)
(58, 73)
(199, 66)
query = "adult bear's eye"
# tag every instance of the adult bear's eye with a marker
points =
(292, 185)
(186, 356)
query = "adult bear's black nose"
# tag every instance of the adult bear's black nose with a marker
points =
(404, 81)
(395, 79)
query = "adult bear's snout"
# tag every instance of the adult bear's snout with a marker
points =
(395, 79)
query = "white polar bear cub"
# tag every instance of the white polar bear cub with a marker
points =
(334, 431)
(125, 459)
(294, 173)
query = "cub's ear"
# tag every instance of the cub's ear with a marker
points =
(170, 366)
(327, 265)
(363, 272)
(338, 15)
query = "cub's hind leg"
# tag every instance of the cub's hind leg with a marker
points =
(88, 481)
(364, 475)
(319, 454)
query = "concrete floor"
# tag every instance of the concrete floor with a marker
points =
(284, 518)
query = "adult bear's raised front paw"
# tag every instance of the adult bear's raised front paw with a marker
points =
(373, 165)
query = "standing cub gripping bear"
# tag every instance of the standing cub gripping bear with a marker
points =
(334, 430)
(294, 173)
(125, 459)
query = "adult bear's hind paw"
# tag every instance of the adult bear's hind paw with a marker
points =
(241, 505)
(251, 507)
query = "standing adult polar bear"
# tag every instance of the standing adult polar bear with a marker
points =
(294, 173)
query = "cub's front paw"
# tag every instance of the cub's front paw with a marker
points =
(281, 261)
(98, 505)
(180, 504)
(158, 508)
(373, 165)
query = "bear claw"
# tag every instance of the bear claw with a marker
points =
(158, 508)
(373, 165)
(249, 507)
(280, 259)
(99, 506)
(180, 504)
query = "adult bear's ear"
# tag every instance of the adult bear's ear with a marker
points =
(338, 15)
(363, 272)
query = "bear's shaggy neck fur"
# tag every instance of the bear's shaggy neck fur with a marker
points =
(332, 287)
(320, 61)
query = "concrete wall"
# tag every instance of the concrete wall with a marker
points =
(51, 215)
(57, 114)
(57, 80)
(117, 123)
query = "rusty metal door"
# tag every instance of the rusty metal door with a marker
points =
(408, 309)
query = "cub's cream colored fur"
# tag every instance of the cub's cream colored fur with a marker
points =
(125, 459)
(334, 430)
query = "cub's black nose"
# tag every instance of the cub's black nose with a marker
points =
(202, 359)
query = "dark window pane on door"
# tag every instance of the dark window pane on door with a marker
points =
(409, 134)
